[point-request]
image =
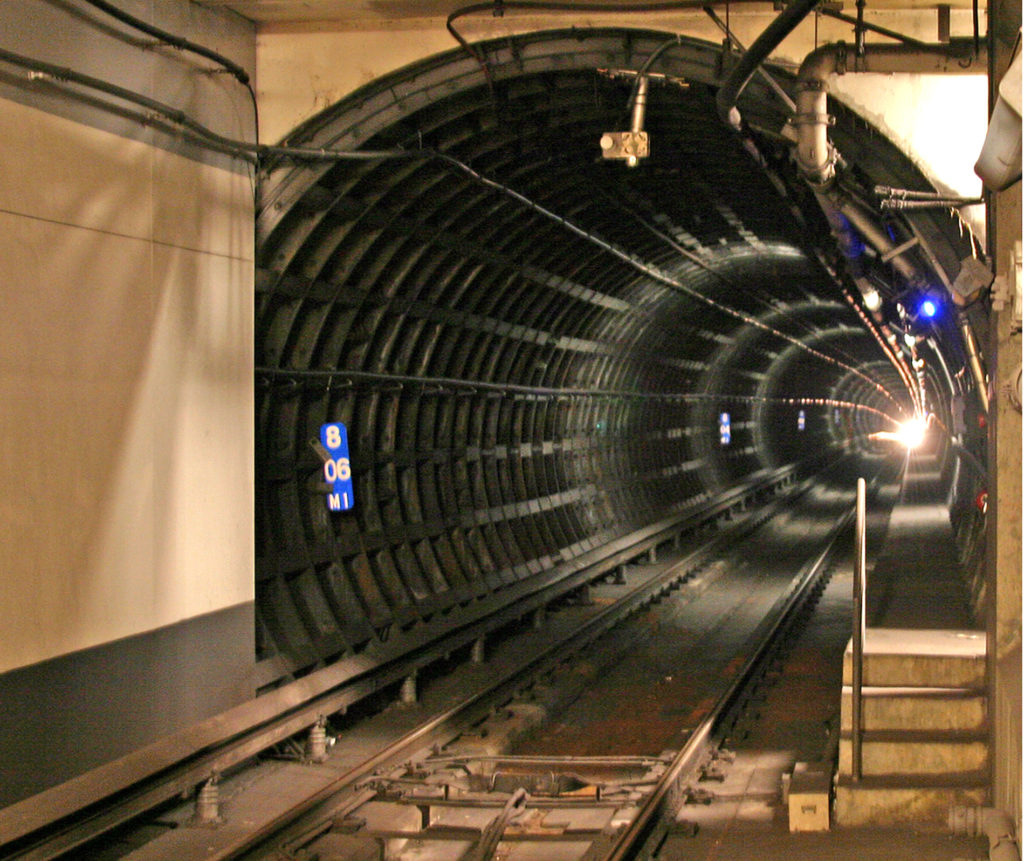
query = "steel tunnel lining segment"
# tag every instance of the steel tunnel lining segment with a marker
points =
(409, 269)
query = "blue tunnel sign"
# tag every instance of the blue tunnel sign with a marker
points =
(337, 467)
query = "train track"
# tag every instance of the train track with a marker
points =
(449, 787)
(613, 803)
(461, 801)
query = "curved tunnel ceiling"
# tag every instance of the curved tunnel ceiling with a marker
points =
(531, 346)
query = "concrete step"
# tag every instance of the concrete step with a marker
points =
(922, 802)
(915, 752)
(900, 657)
(913, 708)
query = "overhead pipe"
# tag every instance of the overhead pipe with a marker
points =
(974, 359)
(758, 52)
(833, 199)
(815, 155)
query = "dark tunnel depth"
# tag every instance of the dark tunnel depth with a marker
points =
(386, 290)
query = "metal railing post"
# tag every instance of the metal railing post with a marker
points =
(859, 617)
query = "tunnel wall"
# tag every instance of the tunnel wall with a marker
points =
(126, 381)
(516, 394)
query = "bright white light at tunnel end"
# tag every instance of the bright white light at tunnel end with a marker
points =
(910, 433)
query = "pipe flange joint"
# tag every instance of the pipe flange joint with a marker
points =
(840, 54)
(812, 120)
(819, 175)
(811, 85)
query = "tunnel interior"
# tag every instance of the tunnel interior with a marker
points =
(537, 351)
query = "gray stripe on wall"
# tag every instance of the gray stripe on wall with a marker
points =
(62, 717)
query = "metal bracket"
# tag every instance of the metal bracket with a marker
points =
(1007, 289)
(630, 146)
(893, 253)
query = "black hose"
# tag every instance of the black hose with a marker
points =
(195, 131)
(183, 44)
(498, 7)
(758, 52)
(738, 45)
(646, 67)
(178, 42)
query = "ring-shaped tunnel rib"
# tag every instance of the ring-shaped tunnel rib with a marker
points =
(520, 389)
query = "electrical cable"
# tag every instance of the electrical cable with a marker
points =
(498, 7)
(758, 295)
(192, 129)
(178, 42)
(442, 385)
(183, 44)
(206, 137)
(646, 67)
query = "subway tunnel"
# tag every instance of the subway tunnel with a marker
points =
(532, 346)
(550, 362)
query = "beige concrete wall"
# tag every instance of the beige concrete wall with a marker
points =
(939, 121)
(1004, 560)
(126, 441)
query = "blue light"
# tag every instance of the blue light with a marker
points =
(928, 308)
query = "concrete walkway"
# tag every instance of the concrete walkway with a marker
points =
(917, 580)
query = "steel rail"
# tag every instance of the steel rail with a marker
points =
(444, 725)
(709, 731)
(66, 816)
(464, 714)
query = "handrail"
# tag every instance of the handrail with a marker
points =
(859, 617)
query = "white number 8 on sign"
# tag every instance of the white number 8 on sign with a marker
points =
(337, 470)
(333, 434)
